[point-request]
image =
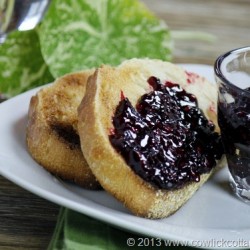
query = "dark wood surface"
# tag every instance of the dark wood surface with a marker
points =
(27, 221)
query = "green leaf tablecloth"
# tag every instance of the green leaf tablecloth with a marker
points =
(75, 231)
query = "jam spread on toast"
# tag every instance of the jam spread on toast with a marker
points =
(67, 134)
(166, 139)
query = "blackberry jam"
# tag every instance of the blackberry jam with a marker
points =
(166, 139)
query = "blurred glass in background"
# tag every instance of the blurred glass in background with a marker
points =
(20, 14)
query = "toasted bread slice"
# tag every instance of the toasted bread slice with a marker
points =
(95, 123)
(52, 136)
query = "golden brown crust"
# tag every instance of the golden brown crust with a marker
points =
(95, 121)
(52, 136)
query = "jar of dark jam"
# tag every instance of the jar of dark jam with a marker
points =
(232, 73)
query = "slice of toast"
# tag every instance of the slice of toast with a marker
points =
(103, 93)
(52, 136)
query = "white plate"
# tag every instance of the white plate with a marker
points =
(213, 216)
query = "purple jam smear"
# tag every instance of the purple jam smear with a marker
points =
(166, 140)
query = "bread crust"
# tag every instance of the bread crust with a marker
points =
(95, 121)
(52, 137)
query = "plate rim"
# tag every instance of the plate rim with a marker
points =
(108, 218)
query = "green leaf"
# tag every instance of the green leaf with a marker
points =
(76, 35)
(75, 231)
(21, 63)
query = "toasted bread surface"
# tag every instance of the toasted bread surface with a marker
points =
(95, 122)
(52, 136)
